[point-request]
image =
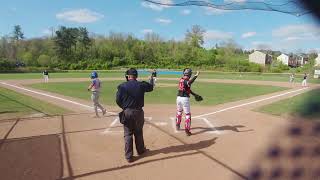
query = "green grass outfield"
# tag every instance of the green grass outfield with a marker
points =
(209, 75)
(300, 104)
(213, 93)
(13, 104)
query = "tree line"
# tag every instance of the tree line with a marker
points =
(74, 48)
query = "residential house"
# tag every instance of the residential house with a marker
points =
(302, 59)
(260, 58)
(284, 58)
(317, 61)
(293, 60)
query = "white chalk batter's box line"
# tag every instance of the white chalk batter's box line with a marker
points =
(212, 130)
(114, 122)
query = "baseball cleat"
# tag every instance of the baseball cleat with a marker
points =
(188, 133)
(177, 127)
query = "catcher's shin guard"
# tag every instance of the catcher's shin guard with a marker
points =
(178, 119)
(188, 122)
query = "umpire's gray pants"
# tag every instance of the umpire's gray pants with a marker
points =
(133, 125)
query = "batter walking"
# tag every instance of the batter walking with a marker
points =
(183, 99)
(130, 98)
(94, 87)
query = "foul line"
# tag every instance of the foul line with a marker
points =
(245, 104)
(54, 97)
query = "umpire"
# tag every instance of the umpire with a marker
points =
(130, 97)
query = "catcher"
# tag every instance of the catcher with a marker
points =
(183, 99)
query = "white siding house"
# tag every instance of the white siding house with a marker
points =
(260, 58)
(317, 61)
(284, 59)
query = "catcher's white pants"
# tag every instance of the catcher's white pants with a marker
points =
(304, 83)
(183, 104)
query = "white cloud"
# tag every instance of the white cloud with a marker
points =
(213, 11)
(163, 21)
(146, 31)
(248, 34)
(185, 12)
(157, 7)
(295, 32)
(79, 16)
(46, 32)
(261, 45)
(217, 35)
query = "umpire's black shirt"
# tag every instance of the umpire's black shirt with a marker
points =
(131, 94)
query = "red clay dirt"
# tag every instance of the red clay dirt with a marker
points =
(77, 146)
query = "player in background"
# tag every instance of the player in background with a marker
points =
(291, 79)
(94, 87)
(183, 99)
(154, 76)
(45, 74)
(304, 82)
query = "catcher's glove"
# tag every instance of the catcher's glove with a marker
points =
(198, 97)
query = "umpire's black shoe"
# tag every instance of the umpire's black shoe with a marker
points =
(143, 152)
(130, 160)
(188, 133)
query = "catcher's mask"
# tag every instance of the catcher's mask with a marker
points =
(187, 72)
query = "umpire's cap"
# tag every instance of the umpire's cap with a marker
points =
(132, 71)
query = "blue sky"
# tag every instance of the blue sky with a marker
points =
(250, 29)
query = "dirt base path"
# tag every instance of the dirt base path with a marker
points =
(226, 138)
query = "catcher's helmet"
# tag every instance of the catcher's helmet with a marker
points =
(94, 74)
(132, 71)
(187, 72)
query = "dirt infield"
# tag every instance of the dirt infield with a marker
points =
(226, 139)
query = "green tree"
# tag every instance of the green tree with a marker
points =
(195, 36)
(44, 60)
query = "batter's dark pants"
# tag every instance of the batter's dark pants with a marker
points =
(133, 125)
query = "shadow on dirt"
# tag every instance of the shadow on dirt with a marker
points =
(31, 158)
(235, 128)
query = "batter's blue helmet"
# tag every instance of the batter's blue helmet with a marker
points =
(94, 74)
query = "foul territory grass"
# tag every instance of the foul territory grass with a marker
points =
(300, 104)
(13, 104)
(120, 74)
(213, 93)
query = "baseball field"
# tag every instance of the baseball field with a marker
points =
(47, 130)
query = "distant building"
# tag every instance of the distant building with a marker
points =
(260, 58)
(302, 59)
(317, 61)
(284, 58)
(293, 60)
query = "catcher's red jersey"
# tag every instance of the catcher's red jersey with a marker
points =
(184, 88)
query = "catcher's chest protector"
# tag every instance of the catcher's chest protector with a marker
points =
(183, 87)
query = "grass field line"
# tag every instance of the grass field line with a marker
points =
(51, 96)
(249, 103)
